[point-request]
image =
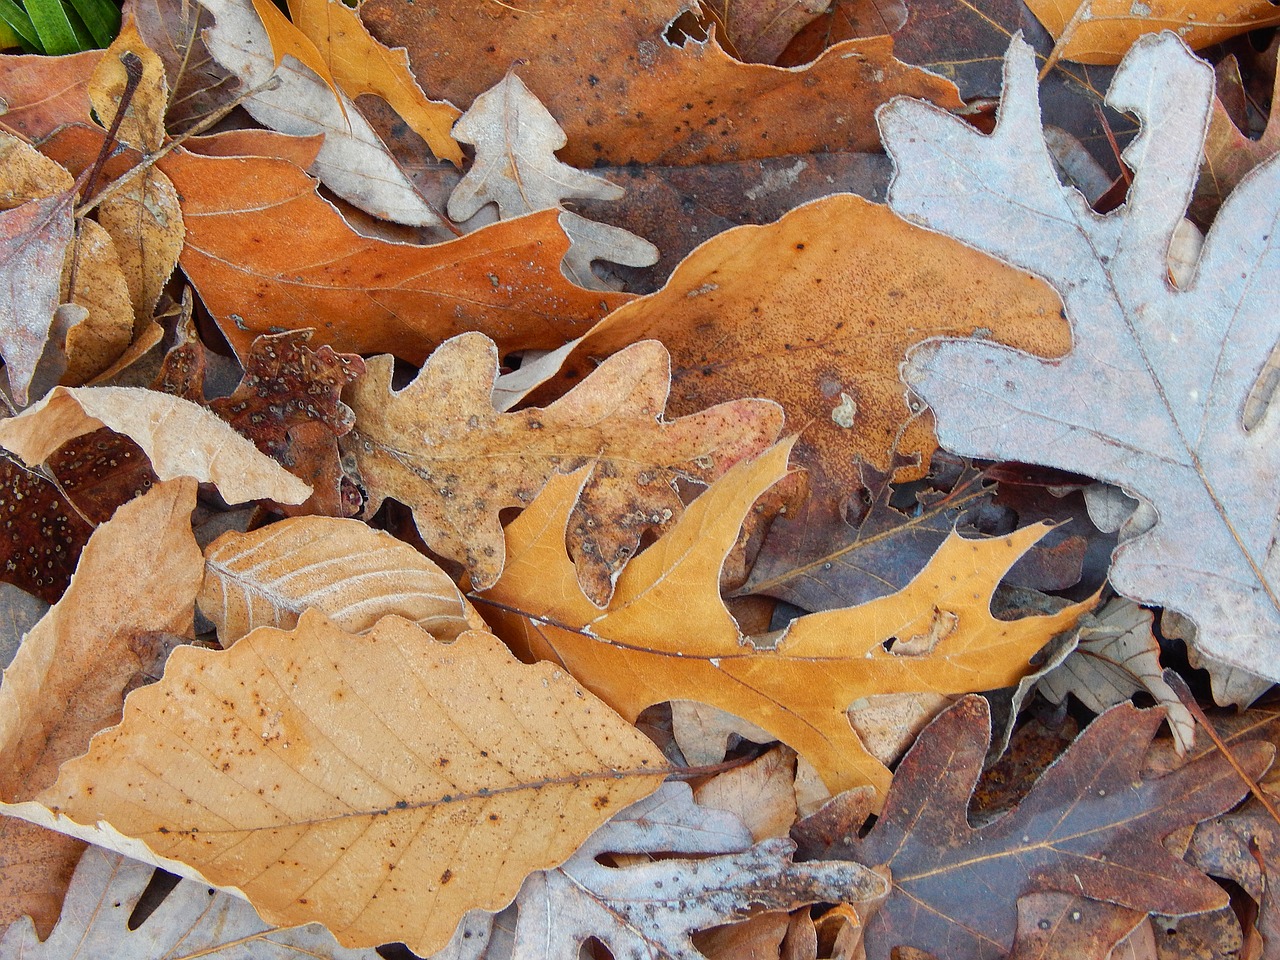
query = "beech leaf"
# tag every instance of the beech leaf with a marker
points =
(181, 439)
(1165, 391)
(796, 685)
(353, 574)
(286, 769)
(440, 447)
(192, 921)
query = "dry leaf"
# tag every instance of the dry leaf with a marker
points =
(42, 93)
(179, 437)
(265, 237)
(650, 909)
(1090, 825)
(362, 65)
(516, 140)
(317, 797)
(142, 126)
(640, 650)
(761, 794)
(1116, 657)
(353, 574)
(100, 287)
(1102, 31)
(192, 921)
(757, 31)
(1161, 394)
(440, 447)
(1229, 152)
(352, 161)
(69, 677)
(287, 39)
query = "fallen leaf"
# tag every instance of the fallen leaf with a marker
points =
(756, 938)
(42, 93)
(287, 40)
(757, 31)
(515, 167)
(361, 65)
(352, 161)
(796, 685)
(288, 404)
(198, 85)
(93, 279)
(1167, 407)
(1102, 31)
(440, 447)
(311, 795)
(1090, 824)
(352, 574)
(761, 794)
(651, 909)
(843, 20)
(626, 94)
(179, 437)
(191, 921)
(268, 238)
(142, 125)
(1062, 925)
(68, 679)
(1117, 656)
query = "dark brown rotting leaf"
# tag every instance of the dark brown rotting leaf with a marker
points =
(101, 470)
(182, 371)
(41, 535)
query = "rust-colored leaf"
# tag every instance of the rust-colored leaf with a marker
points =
(43, 93)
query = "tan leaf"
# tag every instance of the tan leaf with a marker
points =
(68, 679)
(757, 31)
(440, 447)
(364, 295)
(796, 685)
(95, 342)
(313, 793)
(361, 65)
(761, 794)
(143, 123)
(181, 439)
(145, 222)
(353, 574)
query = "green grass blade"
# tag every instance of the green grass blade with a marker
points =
(57, 36)
(17, 20)
(101, 17)
(83, 40)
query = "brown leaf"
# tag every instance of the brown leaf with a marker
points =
(757, 31)
(761, 794)
(179, 437)
(1121, 406)
(317, 801)
(1090, 824)
(42, 93)
(68, 679)
(796, 685)
(679, 105)
(354, 575)
(43, 534)
(173, 29)
(267, 238)
(440, 447)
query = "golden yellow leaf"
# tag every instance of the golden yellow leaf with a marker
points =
(667, 635)
(180, 437)
(68, 678)
(353, 574)
(289, 768)
(143, 123)
(362, 65)
(285, 38)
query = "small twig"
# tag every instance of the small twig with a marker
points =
(133, 76)
(1179, 685)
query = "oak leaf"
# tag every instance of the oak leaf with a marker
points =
(180, 438)
(192, 921)
(642, 649)
(650, 909)
(1167, 391)
(1090, 825)
(286, 769)
(351, 573)
(68, 679)
(515, 167)
(440, 447)
(267, 238)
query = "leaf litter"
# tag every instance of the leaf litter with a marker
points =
(400, 569)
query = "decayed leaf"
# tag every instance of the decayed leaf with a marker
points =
(757, 31)
(314, 794)
(641, 650)
(1089, 825)
(353, 574)
(651, 909)
(516, 140)
(1116, 657)
(266, 237)
(624, 93)
(352, 162)
(192, 921)
(362, 65)
(1102, 31)
(288, 404)
(199, 85)
(440, 447)
(180, 438)
(1164, 392)
(69, 677)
